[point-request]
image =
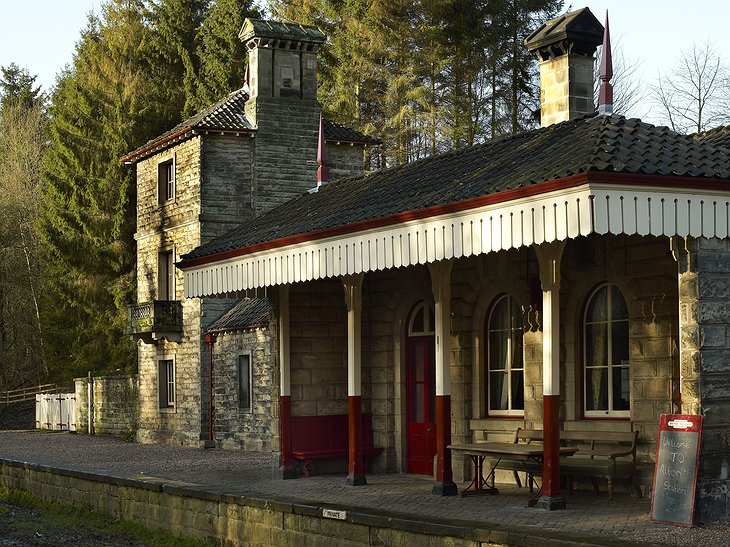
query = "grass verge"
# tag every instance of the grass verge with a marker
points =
(70, 516)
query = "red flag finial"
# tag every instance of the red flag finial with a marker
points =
(605, 92)
(322, 171)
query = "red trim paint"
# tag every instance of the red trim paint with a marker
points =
(210, 339)
(444, 473)
(285, 435)
(464, 205)
(551, 445)
(354, 413)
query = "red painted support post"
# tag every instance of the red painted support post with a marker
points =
(355, 468)
(353, 299)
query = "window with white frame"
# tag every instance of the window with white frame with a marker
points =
(606, 374)
(505, 363)
(166, 382)
(244, 381)
(165, 275)
(166, 181)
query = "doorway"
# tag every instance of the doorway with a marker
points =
(421, 390)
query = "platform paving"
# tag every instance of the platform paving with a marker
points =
(588, 518)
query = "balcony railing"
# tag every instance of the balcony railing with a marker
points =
(157, 318)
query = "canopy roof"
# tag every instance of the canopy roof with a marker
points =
(595, 174)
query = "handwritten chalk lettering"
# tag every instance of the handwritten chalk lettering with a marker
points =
(677, 457)
(669, 487)
(671, 443)
(669, 472)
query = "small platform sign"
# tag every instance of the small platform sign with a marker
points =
(675, 472)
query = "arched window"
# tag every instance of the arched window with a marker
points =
(505, 364)
(606, 381)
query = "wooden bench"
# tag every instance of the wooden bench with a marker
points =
(601, 454)
(326, 437)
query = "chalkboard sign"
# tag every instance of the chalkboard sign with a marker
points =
(675, 472)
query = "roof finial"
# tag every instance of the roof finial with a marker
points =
(322, 171)
(605, 92)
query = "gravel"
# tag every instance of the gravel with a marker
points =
(248, 473)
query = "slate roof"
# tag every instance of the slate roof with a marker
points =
(280, 31)
(611, 144)
(229, 114)
(580, 27)
(245, 314)
(719, 137)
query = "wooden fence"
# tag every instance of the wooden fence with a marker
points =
(26, 393)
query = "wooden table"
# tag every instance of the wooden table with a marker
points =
(479, 451)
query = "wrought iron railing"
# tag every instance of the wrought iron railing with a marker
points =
(155, 316)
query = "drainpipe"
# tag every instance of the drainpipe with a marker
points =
(90, 402)
(210, 340)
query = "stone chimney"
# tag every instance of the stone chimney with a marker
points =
(282, 105)
(565, 47)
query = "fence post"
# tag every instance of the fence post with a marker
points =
(90, 404)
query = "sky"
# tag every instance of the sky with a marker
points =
(40, 34)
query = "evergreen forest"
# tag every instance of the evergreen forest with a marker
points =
(423, 75)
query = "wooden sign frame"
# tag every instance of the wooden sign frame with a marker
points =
(677, 460)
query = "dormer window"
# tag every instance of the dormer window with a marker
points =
(166, 181)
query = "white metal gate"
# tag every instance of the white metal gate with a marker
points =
(55, 411)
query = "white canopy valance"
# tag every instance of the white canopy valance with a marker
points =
(554, 216)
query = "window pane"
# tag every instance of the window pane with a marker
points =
(517, 350)
(597, 309)
(498, 350)
(597, 388)
(518, 390)
(244, 381)
(417, 323)
(618, 305)
(498, 391)
(500, 315)
(418, 403)
(596, 345)
(170, 383)
(417, 362)
(621, 388)
(431, 320)
(620, 343)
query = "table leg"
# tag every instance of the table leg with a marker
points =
(480, 484)
(532, 502)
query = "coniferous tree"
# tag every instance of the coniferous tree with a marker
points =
(176, 25)
(222, 54)
(100, 109)
(17, 88)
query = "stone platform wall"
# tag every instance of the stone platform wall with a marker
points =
(222, 519)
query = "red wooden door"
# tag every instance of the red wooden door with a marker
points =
(421, 403)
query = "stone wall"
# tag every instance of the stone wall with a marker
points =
(641, 267)
(233, 427)
(704, 290)
(344, 160)
(230, 520)
(318, 328)
(114, 400)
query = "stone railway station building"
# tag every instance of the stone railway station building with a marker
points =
(572, 277)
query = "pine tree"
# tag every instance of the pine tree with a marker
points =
(175, 28)
(100, 110)
(222, 54)
(17, 88)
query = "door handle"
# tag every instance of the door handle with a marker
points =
(428, 430)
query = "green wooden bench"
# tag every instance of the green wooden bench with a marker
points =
(608, 455)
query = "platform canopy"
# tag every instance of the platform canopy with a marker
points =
(592, 175)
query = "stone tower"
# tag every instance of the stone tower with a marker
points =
(283, 108)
